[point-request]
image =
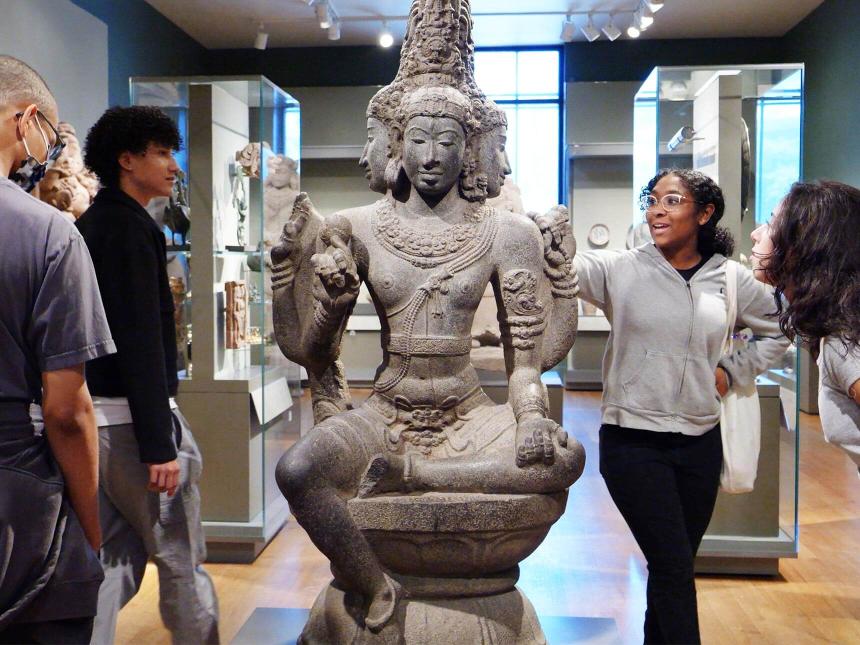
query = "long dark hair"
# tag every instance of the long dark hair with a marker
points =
(712, 238)
(815, 263)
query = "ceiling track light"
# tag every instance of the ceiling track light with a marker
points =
(386, 38)
(334, 30)
(590, 32)
(568, 29)
(655, 5)
(610, 30)
(323, 12)
(646, 16)
(262, 39)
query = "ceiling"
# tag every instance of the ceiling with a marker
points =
(219, 24)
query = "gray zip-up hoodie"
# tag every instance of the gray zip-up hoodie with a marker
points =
(667, 337)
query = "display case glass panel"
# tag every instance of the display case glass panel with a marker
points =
(742, 126)
(241, 169)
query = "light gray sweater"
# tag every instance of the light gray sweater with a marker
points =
(667, 337)
(839, 366)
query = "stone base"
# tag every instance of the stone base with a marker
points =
(506, 618)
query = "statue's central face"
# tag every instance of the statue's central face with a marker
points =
(433, 149)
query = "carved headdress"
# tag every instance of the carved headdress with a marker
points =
(438, 51)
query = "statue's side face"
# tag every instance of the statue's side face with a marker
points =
(494, 159)
(433, 149)
(374, 157)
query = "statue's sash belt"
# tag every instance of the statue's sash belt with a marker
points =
(429, 345)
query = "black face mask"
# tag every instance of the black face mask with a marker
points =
(32, 171)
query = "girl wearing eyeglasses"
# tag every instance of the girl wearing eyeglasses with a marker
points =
(810, 252)
(663, 376)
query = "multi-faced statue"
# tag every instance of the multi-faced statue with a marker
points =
(426, 251)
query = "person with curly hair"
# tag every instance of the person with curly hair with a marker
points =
(663, 376)
(810, 253)
(149, 463)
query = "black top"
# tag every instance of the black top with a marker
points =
(129, 256)
(689, 273)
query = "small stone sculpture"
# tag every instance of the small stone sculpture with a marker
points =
(68, 185)
(237, 314)
(426, 497)
(177, 212)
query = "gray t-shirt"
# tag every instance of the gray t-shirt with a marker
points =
(839, 368)
(51, 314)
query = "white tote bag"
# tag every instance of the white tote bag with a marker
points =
(741, 415)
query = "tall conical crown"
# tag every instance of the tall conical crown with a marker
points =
(438, 51)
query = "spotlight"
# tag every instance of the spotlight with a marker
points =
(323, 15)
(610, 30)
(386, 38)
(633, 31)
(568, 29)
(646, 16)
(590, 32)
(262, 38)
(655, 5)
(334, 31)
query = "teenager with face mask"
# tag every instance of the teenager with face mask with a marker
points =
(810, 253)
(663, 376)
(51, 323)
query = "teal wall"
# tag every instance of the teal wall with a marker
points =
(142, 42)
(827, 42)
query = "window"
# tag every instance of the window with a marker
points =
(527, 84)
(779, 144)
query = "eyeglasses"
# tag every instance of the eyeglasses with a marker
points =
(55, 150)
(670, 202)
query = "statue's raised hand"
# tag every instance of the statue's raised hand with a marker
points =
(337, 283)
(557, 232)
(289, 246)
(536, 440)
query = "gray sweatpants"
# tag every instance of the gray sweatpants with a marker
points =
(138, 524)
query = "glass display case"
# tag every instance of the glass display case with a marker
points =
(743, 127)
(240, 177)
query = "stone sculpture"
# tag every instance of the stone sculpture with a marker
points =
(68, 185)
(426, 497)
(236, 336)
(177, 211)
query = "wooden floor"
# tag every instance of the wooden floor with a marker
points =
(589, 564)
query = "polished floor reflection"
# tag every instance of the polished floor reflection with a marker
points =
(589, 565)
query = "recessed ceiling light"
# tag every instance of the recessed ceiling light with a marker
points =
(386, 38)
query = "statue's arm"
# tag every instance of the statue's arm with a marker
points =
(559, 249)
(314, 286)
(518, 282)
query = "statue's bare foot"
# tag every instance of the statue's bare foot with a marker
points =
(383, 605)
(384, 474)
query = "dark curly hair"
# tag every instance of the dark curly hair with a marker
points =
(815, 263)
(126, 129)
(712, 238)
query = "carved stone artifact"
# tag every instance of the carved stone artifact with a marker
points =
(427, 496)
(68, 185)
(236, 311)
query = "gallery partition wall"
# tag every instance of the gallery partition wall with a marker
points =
(528, 83)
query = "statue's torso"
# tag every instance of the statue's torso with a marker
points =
(426, 283)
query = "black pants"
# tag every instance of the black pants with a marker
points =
(72, 631)
(665, 485)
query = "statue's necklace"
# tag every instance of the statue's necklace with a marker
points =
(427, 249)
